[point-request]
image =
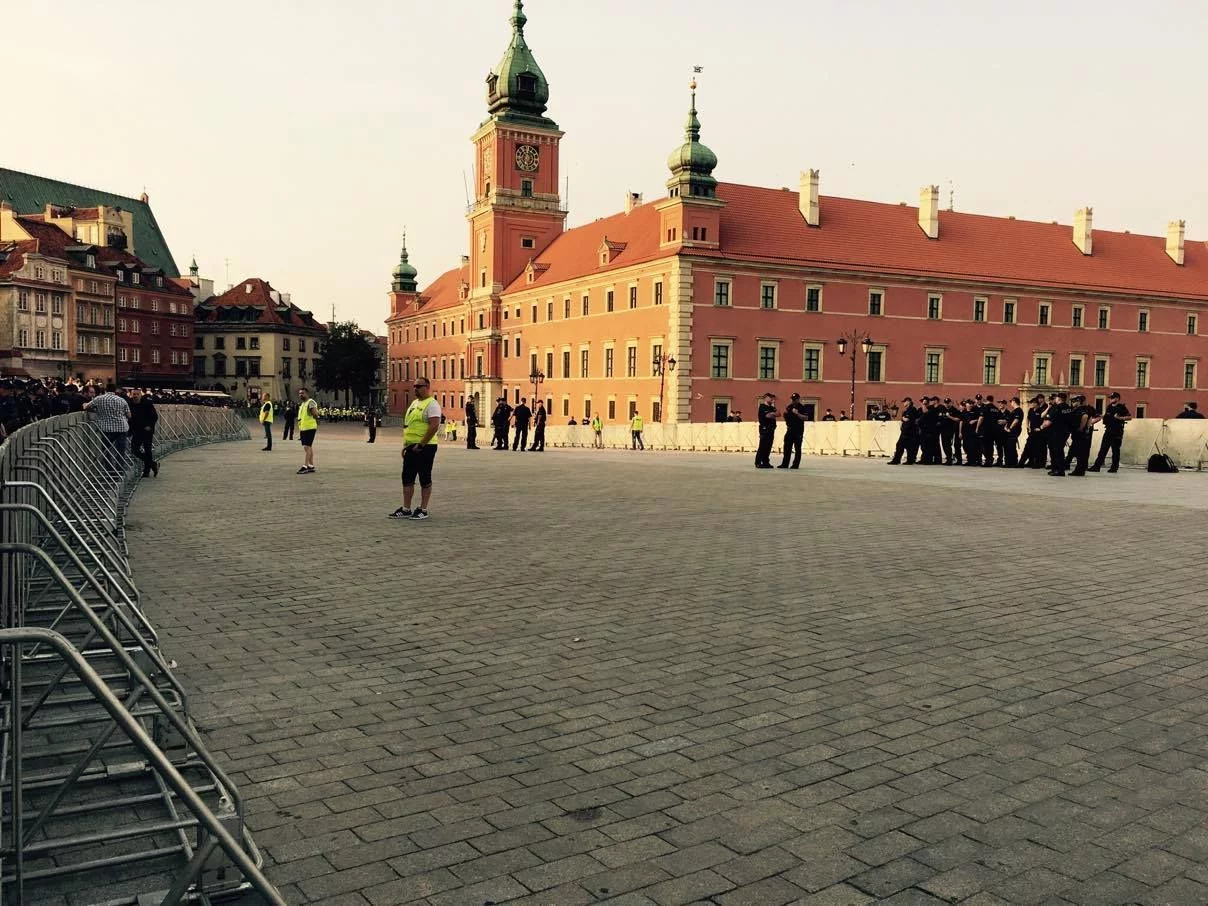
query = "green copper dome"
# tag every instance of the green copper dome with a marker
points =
(692, 163)
(405, 274)
(517, 88)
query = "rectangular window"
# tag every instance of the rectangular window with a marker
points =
(1043, 318)
(1075, 371)
(767, 296)
(219, 342)
(23, 300)
(105, 347)
(566, 363)
(631, 361)
(1193, 325)
(1105, 315)
(1100, 372)
(608, 363)
(813, 298)
(40, 339)
(56, 304)
(565, 406)
(1189, 381)
(933, 307)
(1141, 409)
(813, 363)
(172, 356)
(478, 364)
(720, 367)
(121, 354)
(136, 327)
(633, 297)
(1142, 373)
(155, 329)
(583, 363)
(586, 409)
(1142, 322)
(566, 308)
(549, 310)
(507, 346)
(767, 362)
(612, 409)
(532, 363)
(121, 325)
(658, 292)
(990, 369)
(979, 309)
(136, 354)
(656, 359)
(56, 339)
(876, 302)
(40, 303)
(933, 367)
(1076, 316)
(549, 365)
(609, 300)
(526, 188)
(517, 341)
(586, 305)
(155, 304)
(656, 411)
(1008, 312)
(721, 292)
(1041, 377)
(876, 363)
(240, 342)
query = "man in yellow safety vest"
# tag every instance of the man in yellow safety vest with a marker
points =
(266, 419)
(421, 427)
(635, 429)
(308, 424)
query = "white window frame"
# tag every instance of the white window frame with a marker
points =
(939, 307)
(820, 348)
(729, 344)
(760, 346)
(728, 282)
(939, 353)
(808, 287)
(876, 291)
(1081, 360)
(775, 288)
(1148, 363)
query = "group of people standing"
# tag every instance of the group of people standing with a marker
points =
(985, 432)
(504, 416)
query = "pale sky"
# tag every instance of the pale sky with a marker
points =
(298, 138)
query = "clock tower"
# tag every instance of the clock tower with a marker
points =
(517, 210)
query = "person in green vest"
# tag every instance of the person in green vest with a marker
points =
(266, 419)
(597, 427)
(308, 424)
(635, 429)
(421, 427)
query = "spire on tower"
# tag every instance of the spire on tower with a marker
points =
(405, 274)
(517, 89)
(692, 164)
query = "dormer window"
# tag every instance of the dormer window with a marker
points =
(90, 260)
(159, 281)
(134, 279)
(492, 84)
(526, 85)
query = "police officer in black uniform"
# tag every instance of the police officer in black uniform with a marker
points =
(1013, 429)
(794, 432)
(908, 439)
(1057, 425)
(1082, 425)
(499, 421)
(987, 428)
(471, 425)
(1035, 445)
(767, 431)
(929, 431)
(970, 414)
(1114, 417)
(949, 423)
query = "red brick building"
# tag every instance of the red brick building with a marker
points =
(154, 328)
(690, 307)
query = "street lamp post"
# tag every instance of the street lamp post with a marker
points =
(536, 378)
(662, 364)
(865, 343)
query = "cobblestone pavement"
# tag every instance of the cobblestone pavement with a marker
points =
(669, 678)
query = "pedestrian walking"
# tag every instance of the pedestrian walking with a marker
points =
(1115, 417)
(143, 419)
(636, 425)
(113, 421)
(539, 429)
(421, 424)
(767, 418)
(794, 432)
(308, 426)
(266, 422)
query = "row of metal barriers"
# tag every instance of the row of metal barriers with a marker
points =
(108, 793)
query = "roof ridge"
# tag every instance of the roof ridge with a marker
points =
(76, 185)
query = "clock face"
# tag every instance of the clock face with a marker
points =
(527, 158)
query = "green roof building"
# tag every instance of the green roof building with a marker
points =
(29, 194)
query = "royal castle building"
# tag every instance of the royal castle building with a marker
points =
(689, 307)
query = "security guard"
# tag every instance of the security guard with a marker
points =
(1114, 418)
(499, 421)
(949, 425)
(767, 431)
(1013, 429)
(1082, 423)
(1034, 447)
(929, 431)
(908, 438)
(1056, 427)
(794, 432)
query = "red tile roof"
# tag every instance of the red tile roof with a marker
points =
(576, 253)
(760, 224)
(111, 259)
(252, 294)
(15, 256)
(766, 225)
(52, 241)
(443, 292)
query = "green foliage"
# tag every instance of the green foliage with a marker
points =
(348, 364)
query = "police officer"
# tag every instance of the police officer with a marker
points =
(1082, 424)
(1034, 447)
(929, 431)
(987, 429)
(471, 425)
(499, 421)
(794, 432)
(949, 423)
(1056, 427)
(967, 437)
(1114, 418)
(1013, 429)
(908, 438)
(767, 431)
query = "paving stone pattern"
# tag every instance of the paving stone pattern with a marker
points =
(669, 678)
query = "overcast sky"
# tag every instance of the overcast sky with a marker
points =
(297, 138)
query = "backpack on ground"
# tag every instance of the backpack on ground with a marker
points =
(1160, 462)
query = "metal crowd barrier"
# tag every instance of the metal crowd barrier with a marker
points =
(107, 791)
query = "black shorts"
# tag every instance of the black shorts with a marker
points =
(308, 437)
(417, 463)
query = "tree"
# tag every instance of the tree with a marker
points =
(349, 363)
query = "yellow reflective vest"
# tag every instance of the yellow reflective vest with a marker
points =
(306, 416)
(266, 413)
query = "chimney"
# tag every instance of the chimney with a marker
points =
(632, 200)
(1175, 231)
(1082, 229)
(929, 211)
(808, 200)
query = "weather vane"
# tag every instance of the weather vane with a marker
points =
(696, 70)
